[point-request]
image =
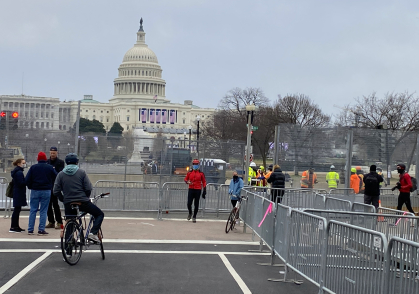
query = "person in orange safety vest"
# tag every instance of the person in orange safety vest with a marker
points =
(309, 178)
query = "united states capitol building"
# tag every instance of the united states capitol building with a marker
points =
(139, 101)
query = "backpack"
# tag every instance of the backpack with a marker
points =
(371, 183)
(414, 184)
(9, 190)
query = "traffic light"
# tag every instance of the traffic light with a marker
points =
(14, 122)
(2, 120)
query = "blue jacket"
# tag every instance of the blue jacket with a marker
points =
(235, 188)
(19, 187)
(40, 176)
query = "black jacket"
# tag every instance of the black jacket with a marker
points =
(277, 179)
(372, 184)
(40, 176)
(19, 187)
(57, 164)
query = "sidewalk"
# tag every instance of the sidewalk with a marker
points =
(144, 229)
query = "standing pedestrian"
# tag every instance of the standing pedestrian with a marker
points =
(308, 178)
(53, 207)
(277, 181)
(404, 185)
(196, 181)
(354, 181)
(372, 182)
(234, 190)
(332, 178)
(40, 179)
(19, 194)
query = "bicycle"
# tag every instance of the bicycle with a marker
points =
(72, 238)
(233, 216)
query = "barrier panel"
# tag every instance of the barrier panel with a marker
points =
(386, 210)
(299, 199)
(306, 244)
(129, 195)
(355, 259)
(337, 204)
(282, 229)
(361, 207)
(402, 267)
(224, 200)
(210, 203)
(402, 226)
(6, 202)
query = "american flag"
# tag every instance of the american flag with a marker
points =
(155, 98)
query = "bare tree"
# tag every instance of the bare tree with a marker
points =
(236, 99)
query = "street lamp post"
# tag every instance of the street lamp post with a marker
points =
(190, 133)
(68, 148)
(249, 108)
(45, 144)
(198, 118)
(184, 139)
(26, 151)
(58, 146)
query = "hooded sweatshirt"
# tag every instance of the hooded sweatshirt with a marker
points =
(74, 185)
(355, 182)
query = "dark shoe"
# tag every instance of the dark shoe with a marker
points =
(58, 226)
(194, 220)
(22, 230)
(189, 216)
(50, 226)
(30, 232)
(42, 233)
(14, 230)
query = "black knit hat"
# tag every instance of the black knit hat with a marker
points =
(402, 166)
(373, 167)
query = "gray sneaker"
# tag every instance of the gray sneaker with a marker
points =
(94, 238)
(194, 220)
(189, 216)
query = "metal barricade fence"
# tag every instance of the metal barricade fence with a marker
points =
(299, 199)
(402, 267)
(224, 200)
(337, 204)
(361, 207)
(341, 191)
(306, 245)
(210, 203)
(355, 259)
(6, 202)
(390, 225)
(282, 229)
(175, 197)
(129, 196)
(386, 210)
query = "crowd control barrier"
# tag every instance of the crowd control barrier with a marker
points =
(339, 251)
(6, 202)
(129, 195)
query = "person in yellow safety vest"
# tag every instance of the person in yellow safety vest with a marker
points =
(360, 174)
(308, 178)
(332, 178)
(380, 172)
(252, 173)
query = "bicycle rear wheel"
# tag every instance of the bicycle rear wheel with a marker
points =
(72, 242)
(100, 235)
(231, 221)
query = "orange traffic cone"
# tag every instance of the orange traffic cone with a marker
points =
(380, 218)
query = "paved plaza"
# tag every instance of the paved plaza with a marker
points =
(143, 255)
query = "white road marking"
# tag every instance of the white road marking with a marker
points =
(147, 224)
(154, 219)
(23, 272)
(137, 251)
(137, 241)
(235, 275)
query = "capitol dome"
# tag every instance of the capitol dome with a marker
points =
(140, 52)
(140, 75)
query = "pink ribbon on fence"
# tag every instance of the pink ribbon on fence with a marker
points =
(269, 210)
(400, 218)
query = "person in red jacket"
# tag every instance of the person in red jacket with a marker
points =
(196, 181)
(404, 185)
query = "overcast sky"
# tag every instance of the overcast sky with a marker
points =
(332, 51)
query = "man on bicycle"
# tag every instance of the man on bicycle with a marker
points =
(234, 190)
(73, 185)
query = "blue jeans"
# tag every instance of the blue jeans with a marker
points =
(39, 199)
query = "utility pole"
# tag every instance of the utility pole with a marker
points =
(349, 140)
(76, 144)
(249, 108)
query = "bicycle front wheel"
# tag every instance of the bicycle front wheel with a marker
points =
(72, 242)
(100, 235)
(231, 221)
